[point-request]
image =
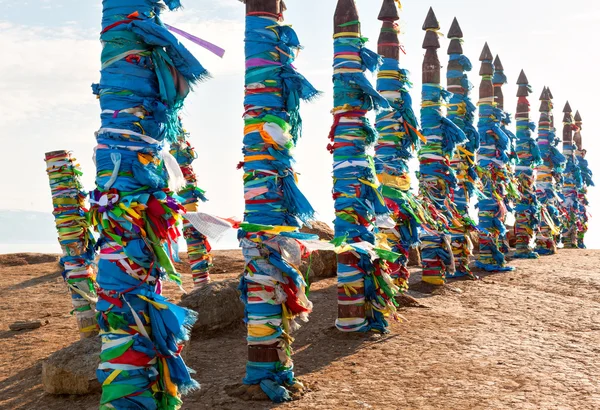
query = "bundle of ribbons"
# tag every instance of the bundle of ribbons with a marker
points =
(527, 209)
(398, 139)
(75, 237)
(572, 182)
(273, 289)
(586, 181)
(549, 179)
(437, 179)
(512, 192)
(495, 174)
(365, 289)
(461, 111)
(198, 247)
(145, 76)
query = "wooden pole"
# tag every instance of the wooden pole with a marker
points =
(493, 160)
(359, 306)
(75, 238)
(571, 181)
(437, 180)
(527, 213)
(549, 178)
(271, 124)
(461, 112)
(398, 139)
(586, 181)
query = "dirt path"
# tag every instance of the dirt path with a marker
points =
(523, 340)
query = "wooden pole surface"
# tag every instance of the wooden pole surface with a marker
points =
(486, 87)
(388, 44)
(346, 12)
(498, 94)
(455, 35)
(567, 124)
(431, 43)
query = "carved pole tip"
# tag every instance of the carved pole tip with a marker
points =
(522, 78)
(455, 30)
(431, 21)
(486, 54)
(498, 64)
(389, 11)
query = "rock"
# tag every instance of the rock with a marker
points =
(72, 370)
(414, 257)
(218, 305)
(26, 325)
(321, 264)
(321, 229)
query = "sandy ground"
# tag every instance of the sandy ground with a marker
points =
(529, 339)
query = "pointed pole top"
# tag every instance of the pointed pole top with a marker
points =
(522, 78)
(486, 54)
(578, 117)
(498, 64)
(431, 21)
(346, 12)
(455, 30)
(431, 26)
(567, 108)
(389, 11)
(550, 96)
(545, 96)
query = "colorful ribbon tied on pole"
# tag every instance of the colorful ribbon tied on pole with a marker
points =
(437, 179)
(75, 237)
(512, 191)
(198, 248)
(273, 289)
(365, 289)
(494, 171)
(587, 181)
(527, 209)
(461, 111)
(398, 139)
(145, 76)
(549, 179)
(572, 182)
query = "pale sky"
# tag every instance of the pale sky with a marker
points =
(50, 57)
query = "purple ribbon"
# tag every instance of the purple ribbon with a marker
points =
(202, 43)
(257, 62)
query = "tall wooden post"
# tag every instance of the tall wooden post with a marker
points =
(527, 210)
(273, 289)
(364, 299)
(493, 161)
(437, 180)
(143, 86)
(461, 111)
(549, 178)
(398, 139)
(75, 238)
(586, 181)
(572, 179)
(499, 79)
(198, 247)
